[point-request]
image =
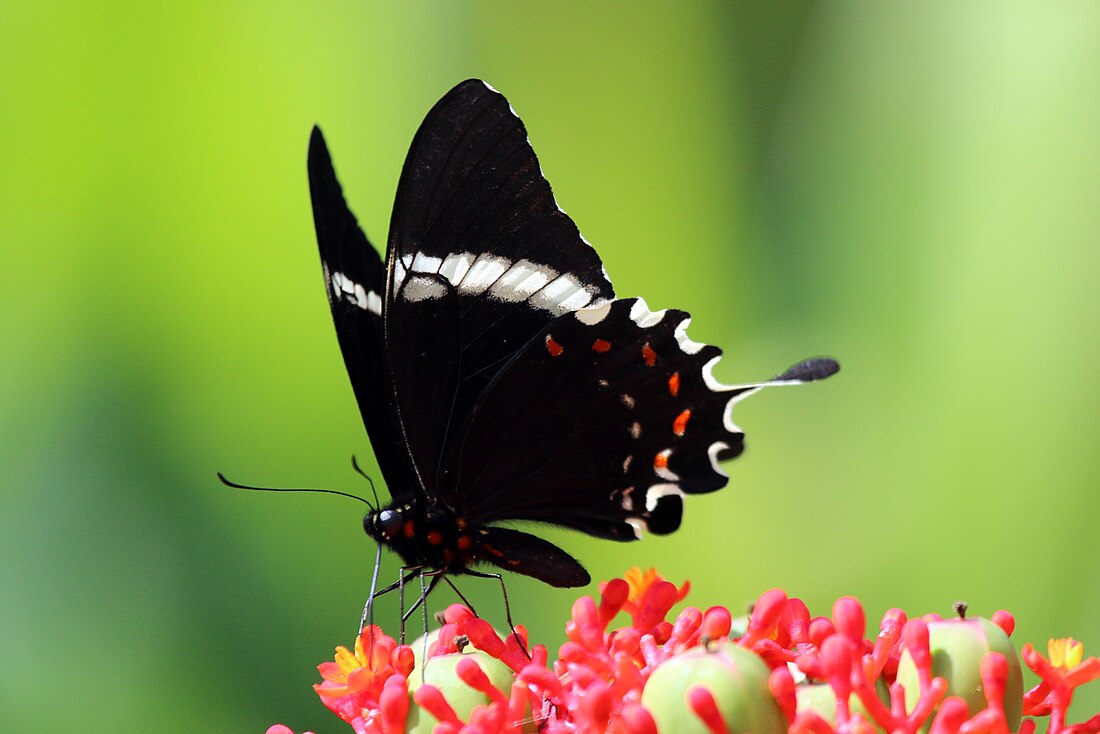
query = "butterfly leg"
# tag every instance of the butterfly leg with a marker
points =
(400, 585)
(507, 607)
(461, 596)
(436, 575)
(407, 572)
(422, 602)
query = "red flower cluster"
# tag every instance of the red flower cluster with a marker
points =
(786, 672)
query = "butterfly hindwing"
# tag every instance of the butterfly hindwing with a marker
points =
(624, 417)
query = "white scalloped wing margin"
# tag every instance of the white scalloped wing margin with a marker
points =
(641, 315)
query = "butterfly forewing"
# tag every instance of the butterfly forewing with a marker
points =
(475, 227)
(355, 280)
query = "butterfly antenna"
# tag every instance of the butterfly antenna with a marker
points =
(355, 465)
(235, 485)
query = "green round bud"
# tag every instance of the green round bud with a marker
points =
(736, 677)
(440, 672)
(820, 698)
(958, 646)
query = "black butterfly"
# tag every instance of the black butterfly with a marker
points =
(498, 376)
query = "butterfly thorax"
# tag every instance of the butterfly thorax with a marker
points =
(424, 534)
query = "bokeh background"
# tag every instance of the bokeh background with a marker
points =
(911, 188)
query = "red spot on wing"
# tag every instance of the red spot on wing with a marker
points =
(409, 528)
(601, 345)
(649, 355)
(660, 461)
(435, 537)
(553, 347)
(680, 424)
(674, 384)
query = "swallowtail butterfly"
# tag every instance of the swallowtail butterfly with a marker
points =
(498, 376)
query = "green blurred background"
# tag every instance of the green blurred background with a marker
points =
(913, 189)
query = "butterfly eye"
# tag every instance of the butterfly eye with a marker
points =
(384, 525)
(389, 522)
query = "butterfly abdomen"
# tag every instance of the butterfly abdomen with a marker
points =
(434, 537)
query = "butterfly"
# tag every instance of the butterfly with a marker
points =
(499, 378)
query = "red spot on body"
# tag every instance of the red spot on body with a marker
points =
(409, 528)
(674, 384)
(660, 461)
(463, 542)
(601, 345)
(649, 355)
(553, 347)
(435, 537)
(680, 424)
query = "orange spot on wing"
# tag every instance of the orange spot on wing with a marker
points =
(660, 461)
(680, 424)
(649, 355)
(601, 345)
(674, 384)
(553, 347)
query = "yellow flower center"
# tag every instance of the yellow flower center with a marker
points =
(1065, 653)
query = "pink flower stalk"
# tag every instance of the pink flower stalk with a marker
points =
(818, 675)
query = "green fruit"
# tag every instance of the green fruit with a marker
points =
(958, 646)
(737, 679)
(819, 698)
(440, 672)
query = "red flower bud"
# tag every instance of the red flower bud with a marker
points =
(637, 720)
(849, 619)
(1005, 621)
(393, 705)
(953, 712)
(820, 628)
(482, 636)
(613, 595)
(782, 687)
(717, 622)
(431, 699)
(702, 703)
